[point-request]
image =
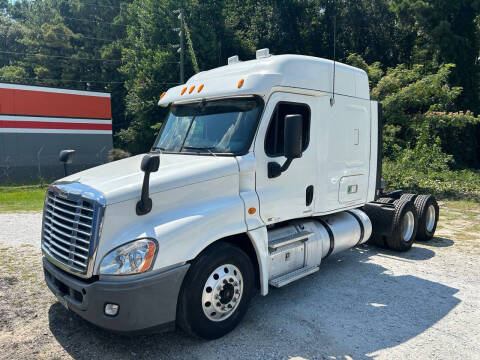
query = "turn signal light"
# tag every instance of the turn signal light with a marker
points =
(240, 83)
(163, 94)
(200, 88)
(191, 89)
(183, 90)
(252, 211)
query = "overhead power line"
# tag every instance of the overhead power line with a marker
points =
(60, 56)
(76, 81)
(104, 6)
(64, 80)
(93, 21)
(71, 57)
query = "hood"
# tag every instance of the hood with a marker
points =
(122, 180)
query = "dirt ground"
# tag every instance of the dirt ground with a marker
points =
(363, 303)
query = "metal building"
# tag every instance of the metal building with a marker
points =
(37, 122)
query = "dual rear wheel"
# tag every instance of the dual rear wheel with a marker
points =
(415, 218)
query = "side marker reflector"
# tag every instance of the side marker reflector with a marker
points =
(240, 83)
(183, 90)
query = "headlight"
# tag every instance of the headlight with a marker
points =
(132, 258)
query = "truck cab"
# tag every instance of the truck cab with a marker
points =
(261, 170)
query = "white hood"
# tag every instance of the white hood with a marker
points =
(122, 180)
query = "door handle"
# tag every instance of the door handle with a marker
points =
(309, 195)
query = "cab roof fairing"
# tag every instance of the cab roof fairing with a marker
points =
(261, 75)
(254, 84)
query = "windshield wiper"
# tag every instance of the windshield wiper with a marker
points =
(207, 148)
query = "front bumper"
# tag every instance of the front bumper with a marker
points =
(144, 303)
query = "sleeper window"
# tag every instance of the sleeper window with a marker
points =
(274, 140)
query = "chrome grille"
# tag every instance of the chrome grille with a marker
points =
(69, 231)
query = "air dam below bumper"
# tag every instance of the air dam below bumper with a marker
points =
(144, 303)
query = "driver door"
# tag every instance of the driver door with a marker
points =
(290, 195)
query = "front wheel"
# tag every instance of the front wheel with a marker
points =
(216, 292)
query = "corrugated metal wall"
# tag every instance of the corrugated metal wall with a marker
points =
(37, 122)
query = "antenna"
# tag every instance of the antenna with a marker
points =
(332, 99)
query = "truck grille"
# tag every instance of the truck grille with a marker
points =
(69, 230)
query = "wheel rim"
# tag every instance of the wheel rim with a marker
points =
(430, 218)
(222, 292)
(408, 224)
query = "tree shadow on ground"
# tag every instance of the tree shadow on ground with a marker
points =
(350, 307)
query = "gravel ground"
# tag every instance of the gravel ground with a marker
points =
(363, 303)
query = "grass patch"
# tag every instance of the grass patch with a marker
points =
(22, 198)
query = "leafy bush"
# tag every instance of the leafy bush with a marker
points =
(117, 154)
(459, 184)
(425, 168)
(458, 134)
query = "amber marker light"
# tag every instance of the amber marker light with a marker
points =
(163, 94)
(252, 211)
(191, 89)
(149, 257)
(200, 88)
(240, 83)
(183, 90)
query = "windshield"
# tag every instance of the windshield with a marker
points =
(216, 126)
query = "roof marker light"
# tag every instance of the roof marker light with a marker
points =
(200, 88)
(240, 83)
(191, 89)
(233, 59)
(163, 94)
(183, 90)
(262, 53)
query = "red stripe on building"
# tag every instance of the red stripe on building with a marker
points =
(40, 103)
(6, 124)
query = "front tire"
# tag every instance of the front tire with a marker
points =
(216, 292)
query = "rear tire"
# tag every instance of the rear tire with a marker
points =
(428, 212)
(408, 197)
(405, 223)
(216, 292)
(386, 200)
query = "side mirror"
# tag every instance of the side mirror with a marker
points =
(293, 136)
(293, 143)
(150, 163)
(66, 157)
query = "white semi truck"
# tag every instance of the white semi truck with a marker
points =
(261, 170)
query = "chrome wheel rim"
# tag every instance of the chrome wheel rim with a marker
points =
(408, 224)
(222, 292)
(430, 218)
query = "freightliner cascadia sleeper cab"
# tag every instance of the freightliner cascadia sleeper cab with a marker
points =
(261, 170)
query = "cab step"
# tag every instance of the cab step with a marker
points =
(275, 244)
(294, 275)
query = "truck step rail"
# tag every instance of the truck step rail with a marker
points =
(294, 275)
(301, 236)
